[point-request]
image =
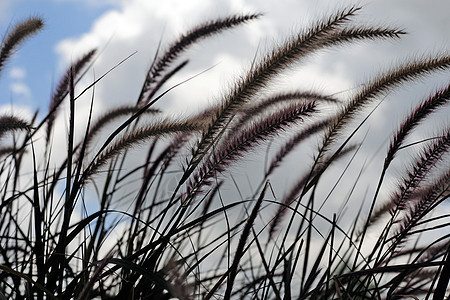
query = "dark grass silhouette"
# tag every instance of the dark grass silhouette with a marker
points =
(195, 243)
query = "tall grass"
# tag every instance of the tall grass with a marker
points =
(195, 241)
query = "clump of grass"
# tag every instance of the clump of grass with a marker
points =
(193, 241)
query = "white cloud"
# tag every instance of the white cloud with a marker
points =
(21, 90)
(17, 73)
(21, 111)
(139, 25)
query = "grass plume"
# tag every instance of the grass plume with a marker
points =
(18, 35)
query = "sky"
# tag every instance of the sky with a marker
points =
(34, 69)
(119, 28)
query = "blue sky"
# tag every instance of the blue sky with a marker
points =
(33, 70)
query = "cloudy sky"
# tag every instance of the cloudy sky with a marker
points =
(119, 28)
